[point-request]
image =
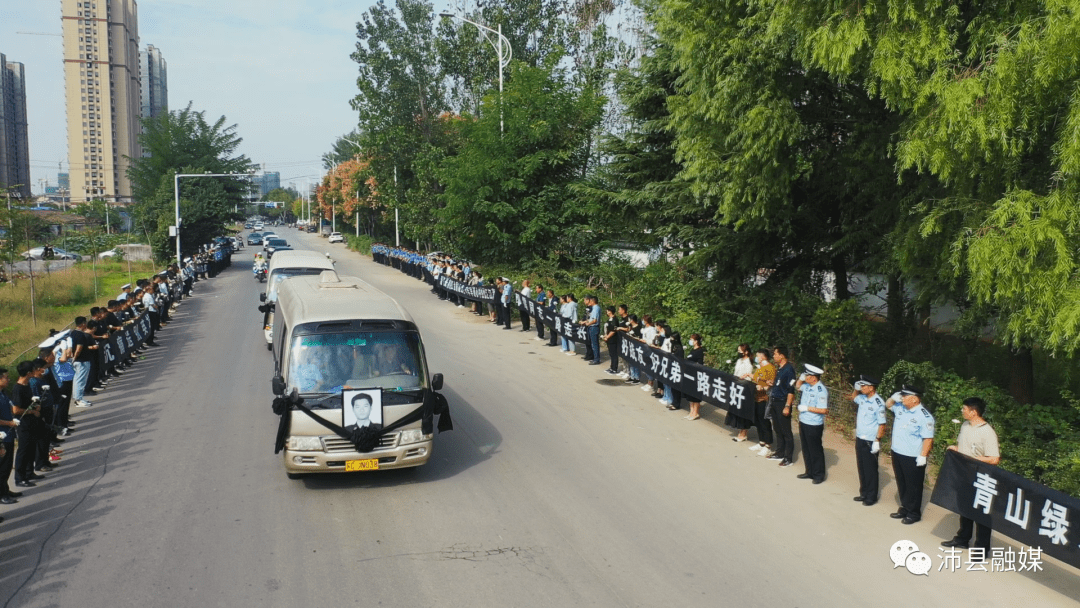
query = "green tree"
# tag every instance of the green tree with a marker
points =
(988, 95)
(400, 88)
(280, 195)
(507, 195)
(182, 141)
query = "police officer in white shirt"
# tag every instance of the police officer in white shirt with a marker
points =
(869, 429)
(505, 299)
(813, 405)
(912, 438)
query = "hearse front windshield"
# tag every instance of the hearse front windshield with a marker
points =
(324, 363)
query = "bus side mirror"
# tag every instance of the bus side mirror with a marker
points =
(262, 297)
(436, 382)
(278, 385)
(264, 308)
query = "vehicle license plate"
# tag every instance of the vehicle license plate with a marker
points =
(371, 464)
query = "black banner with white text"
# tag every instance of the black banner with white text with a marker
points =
(1019, 508)
(120, 343)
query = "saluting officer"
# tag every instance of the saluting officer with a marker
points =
(912, 438)
(507, 287)
(813, 405)
(869, 429)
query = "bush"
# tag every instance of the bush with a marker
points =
(361, 244)
(843, 333)
(1041, 443)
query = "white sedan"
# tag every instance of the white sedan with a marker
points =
(336, 237)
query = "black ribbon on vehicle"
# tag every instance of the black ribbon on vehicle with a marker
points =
(364, 439)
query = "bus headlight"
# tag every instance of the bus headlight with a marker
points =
(305, 444)
(413, 436)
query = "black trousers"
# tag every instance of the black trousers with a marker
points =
(525, 326)
(24, 456)
(7, 461)
(63, 404)
(539, 328)
(613, 353)
(812, 451)
(982, 534)
(507, 317)
(155, 324)
(554, 339)
(785, 439)
(764, 427)
(909, 484)
(868, 470)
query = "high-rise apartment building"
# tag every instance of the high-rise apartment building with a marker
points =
(155, 82)
(103, 89)
(14, 143)
(263, 184)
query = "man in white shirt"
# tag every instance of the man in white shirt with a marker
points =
(978, 440)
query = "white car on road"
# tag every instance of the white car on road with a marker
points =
(336, 237)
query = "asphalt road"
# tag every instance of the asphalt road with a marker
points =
(558, 487)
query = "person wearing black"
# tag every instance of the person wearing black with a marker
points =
(29, 420)
(523, 310)
(696, 355)
(677, 350)
(553, 307)
(43, 389)
(100, 336)
(498, 320)
(8, 427)
(780, 399)
(633, 331)
(611, 338)
(541, 300)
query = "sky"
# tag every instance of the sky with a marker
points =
(278, 69)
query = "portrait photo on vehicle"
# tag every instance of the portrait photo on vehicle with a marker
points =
(362, 407)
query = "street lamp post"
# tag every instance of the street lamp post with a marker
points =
(176, 194)
(357, 144)
(502, 49)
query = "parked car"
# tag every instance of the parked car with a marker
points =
(336, 237)
(127, 249)
(58, 254)
(255, 238)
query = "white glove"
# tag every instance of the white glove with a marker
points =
(802, 377)
(17, 422)
(803, 407)
(3, 435)
(875, 447)
(920, 461)
(859, 384)
(897, 397)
